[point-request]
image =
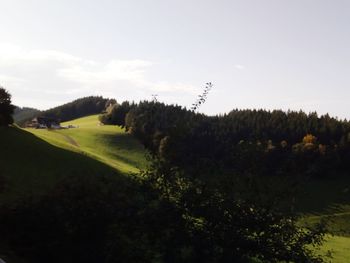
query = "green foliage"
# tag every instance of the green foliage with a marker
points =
(6, 108)
(229, 220)
(184, 137)
(116, 113)
(150, 122)
(259, 143)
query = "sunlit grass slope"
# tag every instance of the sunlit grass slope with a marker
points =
(339, 247)
(331, 204)
(106, 143)
(338, 224)
(32, 166)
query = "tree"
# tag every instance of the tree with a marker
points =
(233, 218)
(116, 113)
(6, 108)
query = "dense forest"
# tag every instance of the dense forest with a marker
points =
(214, 169)
(283, 142)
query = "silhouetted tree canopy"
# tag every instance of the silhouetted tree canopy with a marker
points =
(6, 108)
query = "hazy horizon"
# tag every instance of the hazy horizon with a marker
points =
(258, 54)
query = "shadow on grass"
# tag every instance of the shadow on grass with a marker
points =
(128, 149)
(30, 165)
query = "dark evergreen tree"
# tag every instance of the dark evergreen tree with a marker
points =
(6, 108)
(116, 113)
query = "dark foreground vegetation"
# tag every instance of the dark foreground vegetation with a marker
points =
(218, 189)
(103, 219)
(91, 214)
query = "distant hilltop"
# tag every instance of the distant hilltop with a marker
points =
(78, 108)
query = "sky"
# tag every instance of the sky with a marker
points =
(269, 54)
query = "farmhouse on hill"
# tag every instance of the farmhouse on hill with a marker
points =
(44, 122)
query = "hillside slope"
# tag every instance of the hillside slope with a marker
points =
(31, 165)
(33, 160)
(108, 144)
(337, 243)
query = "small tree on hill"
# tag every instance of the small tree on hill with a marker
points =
(6, 108)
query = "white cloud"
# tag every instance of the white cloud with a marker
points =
(239, 66)
(98, 73)
(40, 78)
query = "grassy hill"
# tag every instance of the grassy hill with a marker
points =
(108, 144)
(32, 165)
(339, 247)
(338, 241)
(33, 162)
(328, 199)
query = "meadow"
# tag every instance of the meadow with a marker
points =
(34, 160)
(106, 143)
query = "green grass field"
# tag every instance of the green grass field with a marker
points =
(328, 202)
(338, 224)
(30, 165)
(33, 160)
(108, 144)
(339, 247)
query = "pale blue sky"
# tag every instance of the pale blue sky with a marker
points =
(272, 54)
